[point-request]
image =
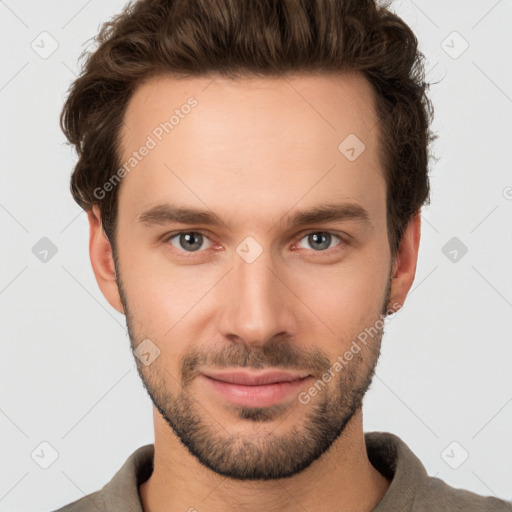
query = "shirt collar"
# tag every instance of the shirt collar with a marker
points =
(395, 460)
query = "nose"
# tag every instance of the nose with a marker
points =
(257, 303)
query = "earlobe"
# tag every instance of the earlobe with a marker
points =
(102, 260)
(404, 265)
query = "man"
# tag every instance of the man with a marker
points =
(253, 174)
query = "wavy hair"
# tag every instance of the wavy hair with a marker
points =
(238, 38)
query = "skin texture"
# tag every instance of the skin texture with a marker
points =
(254, 151)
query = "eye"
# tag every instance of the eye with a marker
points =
(320, 240)
(189, 241)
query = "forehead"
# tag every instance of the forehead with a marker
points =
(224, 140)
(340, 103)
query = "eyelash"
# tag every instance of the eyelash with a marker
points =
(343, 241)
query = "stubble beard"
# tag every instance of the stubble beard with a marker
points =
(269, 455)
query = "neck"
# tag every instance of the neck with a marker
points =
(343, 476)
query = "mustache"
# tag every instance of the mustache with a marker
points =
(274, 354)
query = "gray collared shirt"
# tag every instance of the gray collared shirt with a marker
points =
(411, 488)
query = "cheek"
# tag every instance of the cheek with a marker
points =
(170, 305)
(159, 292)
(341, 302)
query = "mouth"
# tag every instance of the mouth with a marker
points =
(251, 389)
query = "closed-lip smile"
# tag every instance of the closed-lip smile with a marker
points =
(246, 378)
(254, 389)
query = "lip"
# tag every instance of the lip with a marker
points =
(256, 379)
(255, 389)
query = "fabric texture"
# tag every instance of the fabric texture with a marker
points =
(411, 488)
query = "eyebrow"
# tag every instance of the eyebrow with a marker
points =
(166, 213)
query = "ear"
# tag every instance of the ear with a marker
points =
(102, 260)
(404, 264)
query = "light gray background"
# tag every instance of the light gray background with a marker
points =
(67, 374)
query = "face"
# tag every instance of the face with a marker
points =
(250, 240)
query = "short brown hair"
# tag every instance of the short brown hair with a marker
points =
(238, 38)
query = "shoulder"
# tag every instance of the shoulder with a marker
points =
(413, 489)
(121, 493)
(91, 503)
(437, 495)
